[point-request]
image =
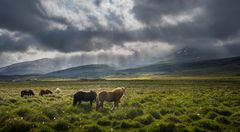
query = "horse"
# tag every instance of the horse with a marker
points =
(110, 96)
(84, 96)
(58, 90)
(27, 92)
(42, 92)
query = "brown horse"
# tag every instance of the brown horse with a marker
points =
(27, 92)
(42, 92)
(110, 96)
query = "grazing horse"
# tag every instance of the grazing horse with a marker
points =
(112, 96)
(84, 96)
(58, 90)
(27, 92)
(42, 92)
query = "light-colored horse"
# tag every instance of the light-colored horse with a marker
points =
(110, 96)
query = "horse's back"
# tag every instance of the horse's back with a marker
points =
(85, 96)
(103, 95)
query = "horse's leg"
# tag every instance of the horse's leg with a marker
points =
(91, 103)
(114, 105)
(101, 104)
(74, 102)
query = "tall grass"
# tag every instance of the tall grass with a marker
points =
(151, 105)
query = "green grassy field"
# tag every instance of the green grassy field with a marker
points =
(170, 104)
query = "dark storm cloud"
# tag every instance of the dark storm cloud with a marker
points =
(22, 16)
(29, 17)
(26, 17)
(149, 11)
(219, 21)
(10, 45)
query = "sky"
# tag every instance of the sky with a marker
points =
(118, 32)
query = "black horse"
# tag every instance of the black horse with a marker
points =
(84, 96)
(27, 92)
(43, 92)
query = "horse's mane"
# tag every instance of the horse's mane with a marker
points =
(119, 88)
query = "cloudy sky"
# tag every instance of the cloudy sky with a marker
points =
(120, 32)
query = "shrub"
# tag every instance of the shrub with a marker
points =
(96, 115)
(116, 123)
(224, 112)
(236, 116)
(92, 128)
(75, 110)
(3, 117)
(208, 124)
(44, 128)
(165, 111)
(50, 113)
(211, 115)
(18, 126)
(172, 119)
(37, 118)
(163, 128)
(129, 124)
(103, 110)
(155, 114)
(197, 129)
(146, 120)
(12, 100)
(104, 122)
(61, 125)
(223, 120)
(132, 113)
(181, 128)
(23, 112)
(136, 104)
(72, 118)
(217, 110)
(194, 117)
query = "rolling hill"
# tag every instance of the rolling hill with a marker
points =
(41, 66)
(216, 66)
(229, 66)
(86, 71)
(225, 66)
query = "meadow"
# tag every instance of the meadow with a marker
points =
(169, 104)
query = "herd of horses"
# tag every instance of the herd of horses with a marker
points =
(109, 96)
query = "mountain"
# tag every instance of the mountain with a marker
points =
(53, 68)
(86, 71)
(205, 67)
(224, 66)
(188, 54)
(41, 66)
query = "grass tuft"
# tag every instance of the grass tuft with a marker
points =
(61, 125)
(92, 128)
(223, 120)
(163, 128)
(104, 122)
(145, 120)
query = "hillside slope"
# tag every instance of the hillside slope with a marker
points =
(41, 66)
(216, 66)
(86, 71)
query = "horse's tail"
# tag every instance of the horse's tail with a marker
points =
(97, 102)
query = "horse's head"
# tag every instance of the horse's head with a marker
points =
(124, 89)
